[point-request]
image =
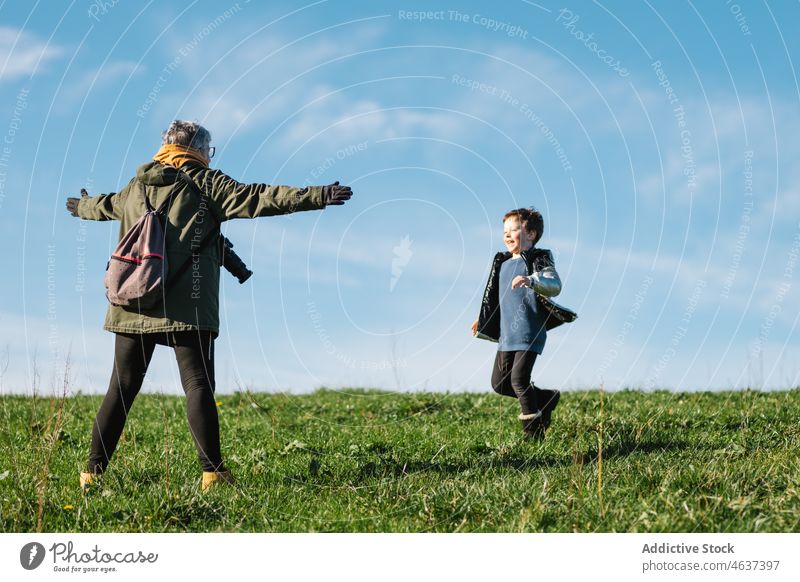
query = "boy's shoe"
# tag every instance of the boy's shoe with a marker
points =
(214, 478)
(546, 400)
(533, 431)
(532, 426)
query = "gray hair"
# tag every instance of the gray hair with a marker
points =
(186, 133)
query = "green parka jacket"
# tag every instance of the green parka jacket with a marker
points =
(192, 300)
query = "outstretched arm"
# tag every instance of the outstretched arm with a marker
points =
(101, 207)
(544, 281)
(239, 200)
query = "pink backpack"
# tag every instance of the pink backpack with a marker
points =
(137, 271)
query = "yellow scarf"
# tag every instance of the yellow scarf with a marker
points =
(176, 155)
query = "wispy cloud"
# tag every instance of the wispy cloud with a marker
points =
(265, 76)
(22, 53)
(97, 81)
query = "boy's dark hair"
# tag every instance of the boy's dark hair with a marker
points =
(530, 219)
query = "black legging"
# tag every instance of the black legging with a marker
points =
(194, 351)
(511, 376)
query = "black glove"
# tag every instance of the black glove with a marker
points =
(72, 203)
(335, 195)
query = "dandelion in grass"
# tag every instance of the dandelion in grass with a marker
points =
(69, 507)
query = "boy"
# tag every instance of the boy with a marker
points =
(515, 315)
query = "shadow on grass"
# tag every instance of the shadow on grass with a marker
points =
(627, 447)
(391, 467)
(387, 461)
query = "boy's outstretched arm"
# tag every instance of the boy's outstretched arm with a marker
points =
(544, 281)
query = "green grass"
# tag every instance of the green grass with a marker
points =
(375, 461)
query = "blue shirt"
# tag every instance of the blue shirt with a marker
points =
(521, 328)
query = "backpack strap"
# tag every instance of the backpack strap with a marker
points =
(147, 204)
(164, 205)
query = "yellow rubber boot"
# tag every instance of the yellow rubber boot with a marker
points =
(214, 478)
(87, 480)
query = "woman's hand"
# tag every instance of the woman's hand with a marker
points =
(336, 195)
(72, 203)
(519, 281)
(475, 327)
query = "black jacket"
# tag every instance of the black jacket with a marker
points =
(540, 264)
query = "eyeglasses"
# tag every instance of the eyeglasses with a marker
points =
(211, 151)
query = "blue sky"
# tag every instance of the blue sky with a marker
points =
(657, 138)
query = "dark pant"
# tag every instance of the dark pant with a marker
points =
(194, 351)
(511, 376)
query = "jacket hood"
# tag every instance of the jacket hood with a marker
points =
(155, 174)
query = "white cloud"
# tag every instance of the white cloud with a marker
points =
(722, 131)
(96, 80)
(241, 86)
(21, 53)
(275, 81)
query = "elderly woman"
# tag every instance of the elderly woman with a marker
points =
(188, 318)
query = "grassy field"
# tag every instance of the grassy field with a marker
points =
(376, 461)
